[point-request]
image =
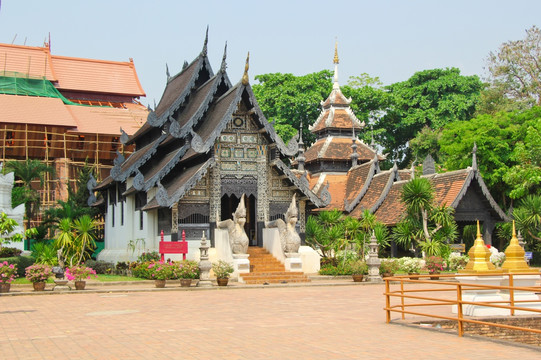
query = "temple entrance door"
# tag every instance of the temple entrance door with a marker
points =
(229, 204)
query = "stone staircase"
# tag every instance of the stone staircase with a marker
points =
(266, 269)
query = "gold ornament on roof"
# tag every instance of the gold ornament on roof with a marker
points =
(245, 79)
(479, 257)
(514, 256)
(336, 60)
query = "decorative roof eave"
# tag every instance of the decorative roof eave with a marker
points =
(180, 132)
(118, 174)
(364, 189)
(301, 184)
(204, 146)
(489, 197)
(200, 62)
(292, 146)
(151, 182)
(164, 200)
(474, 174)
(386, 189)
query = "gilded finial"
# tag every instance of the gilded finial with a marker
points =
(245, 79)
(514, 255)
(479, 257)
(336, 60)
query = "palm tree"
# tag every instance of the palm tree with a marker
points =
(528, 218)
(28, 171)
(85, 238)
(427, 225)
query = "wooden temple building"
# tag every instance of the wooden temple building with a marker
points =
(65, 111)
(207, 143)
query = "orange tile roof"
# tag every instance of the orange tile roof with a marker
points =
(339, 148)
(447, 186)
(339, 118)
(88, 75)
(392, 209)
(34, 61)
(357, 178)
(34, 110)
(337, 189)
(374, 193)
(336, 98)
(108, 120)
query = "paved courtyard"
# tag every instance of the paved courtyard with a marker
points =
(309, 322)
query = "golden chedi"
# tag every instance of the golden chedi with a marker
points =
(514, 256)
(479, 257)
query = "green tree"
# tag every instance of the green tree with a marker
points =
(430, 98)
(28, 171)
(515, 69)
(508, 152)
(286, 100)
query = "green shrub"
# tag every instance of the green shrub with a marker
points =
(6, 252)
(22, 263)
(149, 256)
(100, 266)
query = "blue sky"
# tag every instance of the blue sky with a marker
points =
(391, 39)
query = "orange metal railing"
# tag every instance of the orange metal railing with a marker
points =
(416, 294)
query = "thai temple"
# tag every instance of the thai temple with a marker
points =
(207, 147)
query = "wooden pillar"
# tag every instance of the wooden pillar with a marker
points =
(174, 222)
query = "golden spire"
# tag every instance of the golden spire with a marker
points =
(479, 257)
(336, 60)
(514, 255)
(245, 79)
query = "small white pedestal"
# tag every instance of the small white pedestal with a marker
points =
(293, 262)
(481, 295)
(241, 265)
(533, 300)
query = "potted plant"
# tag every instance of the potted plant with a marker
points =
(434, 265)
(412, 266)
(38, 274)
(8, 273)
(160, 271)
(79, 274)
(186, 270)
(222, 269)
(358, 269)
(388, 267)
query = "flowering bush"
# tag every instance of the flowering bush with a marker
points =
(222, 269)
(160, 270)
(410, 265)
(496, 257)
(456, 261)
(434, 264)
(388, 267)
(38, 273)
(186, 269)
(8, 272)
(79, 273)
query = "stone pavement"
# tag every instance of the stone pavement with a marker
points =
(135, 321)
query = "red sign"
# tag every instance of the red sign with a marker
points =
(173, 247)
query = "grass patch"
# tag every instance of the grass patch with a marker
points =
(108, 277)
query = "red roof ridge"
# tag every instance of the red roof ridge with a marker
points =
(129, 63)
